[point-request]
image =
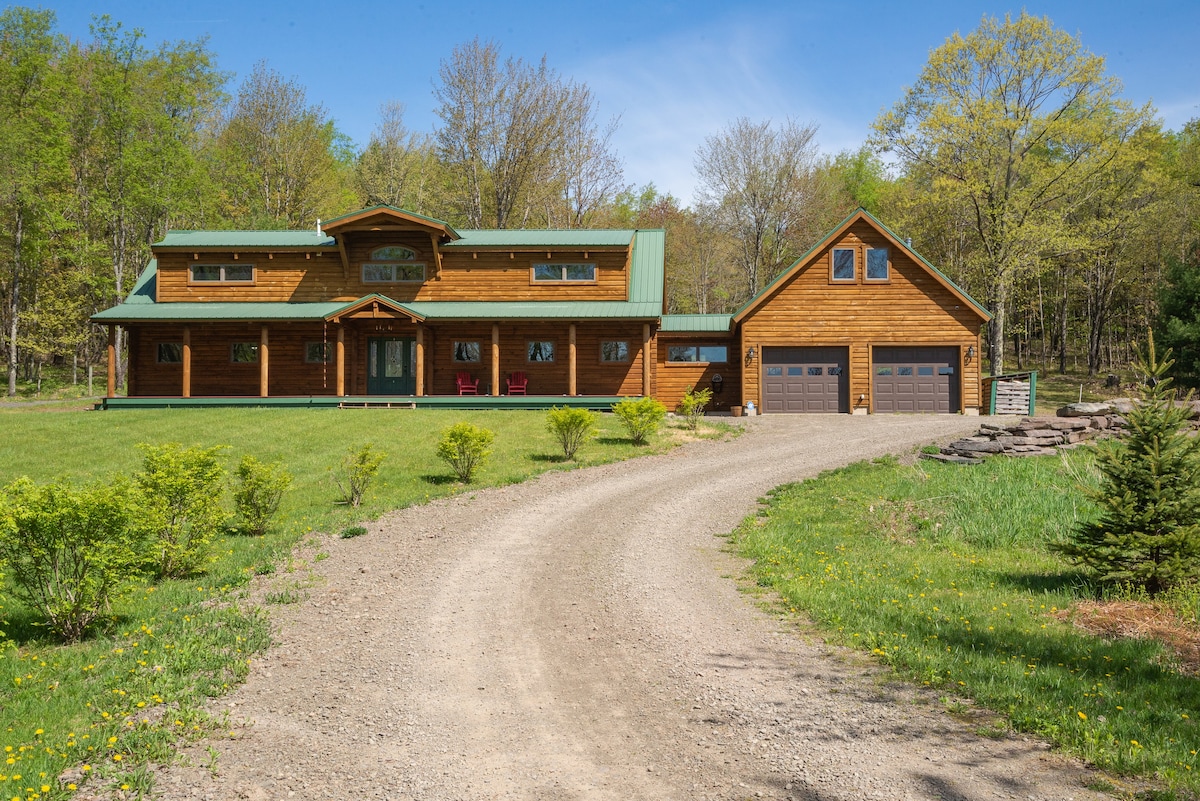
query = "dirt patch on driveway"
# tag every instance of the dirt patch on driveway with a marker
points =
(582, 636)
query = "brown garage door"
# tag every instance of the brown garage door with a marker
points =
(915, 380)
(805, 380)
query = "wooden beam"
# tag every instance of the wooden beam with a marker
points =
(437, 254)
(420, 360)
(263, 363)
(112, 361)
(341, 243)
(572, 373)
(646, 389)
(495, 359)
(187, 361)
(341, 361)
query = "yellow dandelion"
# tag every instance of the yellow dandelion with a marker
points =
(1082, 716)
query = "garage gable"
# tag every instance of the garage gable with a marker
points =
(850, 266)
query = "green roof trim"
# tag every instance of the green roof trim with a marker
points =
(697, 323)
(215, 312)
(245, 239)
(579, 237)
(386, 207)
(825, 241)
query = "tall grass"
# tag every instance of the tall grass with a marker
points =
(942, 572)
(101, 709)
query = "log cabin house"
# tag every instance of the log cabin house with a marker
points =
(385, 306)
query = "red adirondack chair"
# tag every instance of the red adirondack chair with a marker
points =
(466, 385)
(517, 382)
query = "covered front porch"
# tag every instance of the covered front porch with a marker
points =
(378, 352)
(596, 402)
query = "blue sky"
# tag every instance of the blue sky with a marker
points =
(675, 72)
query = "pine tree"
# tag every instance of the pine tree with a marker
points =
(1148, 533)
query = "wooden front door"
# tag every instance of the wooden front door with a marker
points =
(391, 366)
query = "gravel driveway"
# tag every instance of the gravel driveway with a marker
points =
(582, 636)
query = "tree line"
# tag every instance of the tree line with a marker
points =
(1011, 163)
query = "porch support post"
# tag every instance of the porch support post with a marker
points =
(646, 359)
(112, 361)
(571, 372)
(420, 360)
(340, 364)
(495, 359)
(263, 363)
(187, 361)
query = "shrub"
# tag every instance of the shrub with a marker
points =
(1148, 533)
(179, 505)
(692, 406)
(641, 417)
(259, 491)
(571, 427)
(70, 551)
(465, 447)
(358, 470)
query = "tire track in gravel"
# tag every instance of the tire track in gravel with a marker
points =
(579, 637)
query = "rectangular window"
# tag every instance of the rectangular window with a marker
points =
(564, 272)
(222, 273)
(924, 371)
(539, 351)
(614, 351)
(816, 371)
(244, 353)
(774, 371)
(906, 370)
(795, 371)
(945, 371)
(877, 264)
(883, 371)
(170, 353)
(698, 353)
(393, 273)
(843, 264)
(466, 351)
(318, 353)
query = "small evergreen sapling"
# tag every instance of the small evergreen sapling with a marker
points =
(1148, 532)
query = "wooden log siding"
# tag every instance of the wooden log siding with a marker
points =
(675, 378)
(493, 275)
(912, 308)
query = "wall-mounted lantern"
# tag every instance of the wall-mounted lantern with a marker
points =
(718, 383)
(750, 353)
(970, 352)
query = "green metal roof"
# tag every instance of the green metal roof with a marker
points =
(245, 239)
(201, 312)
(647, 271)
(580, 238)
(696, 323)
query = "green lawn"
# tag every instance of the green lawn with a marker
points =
(943, 573)
(102, 709)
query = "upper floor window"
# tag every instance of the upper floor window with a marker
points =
(222, 273)
(843, 264)
(393, 264)
(564, 272)
(877, 264)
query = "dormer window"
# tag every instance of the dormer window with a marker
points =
(583, 273)
(393, 264)
(222, 273)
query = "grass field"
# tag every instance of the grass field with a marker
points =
(944, 574)
(99, 711)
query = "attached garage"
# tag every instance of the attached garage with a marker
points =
(807, 379)
(915, 379)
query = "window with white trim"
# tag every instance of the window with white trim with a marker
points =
(843, 264)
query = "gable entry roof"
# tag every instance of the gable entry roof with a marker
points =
(861, 215)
